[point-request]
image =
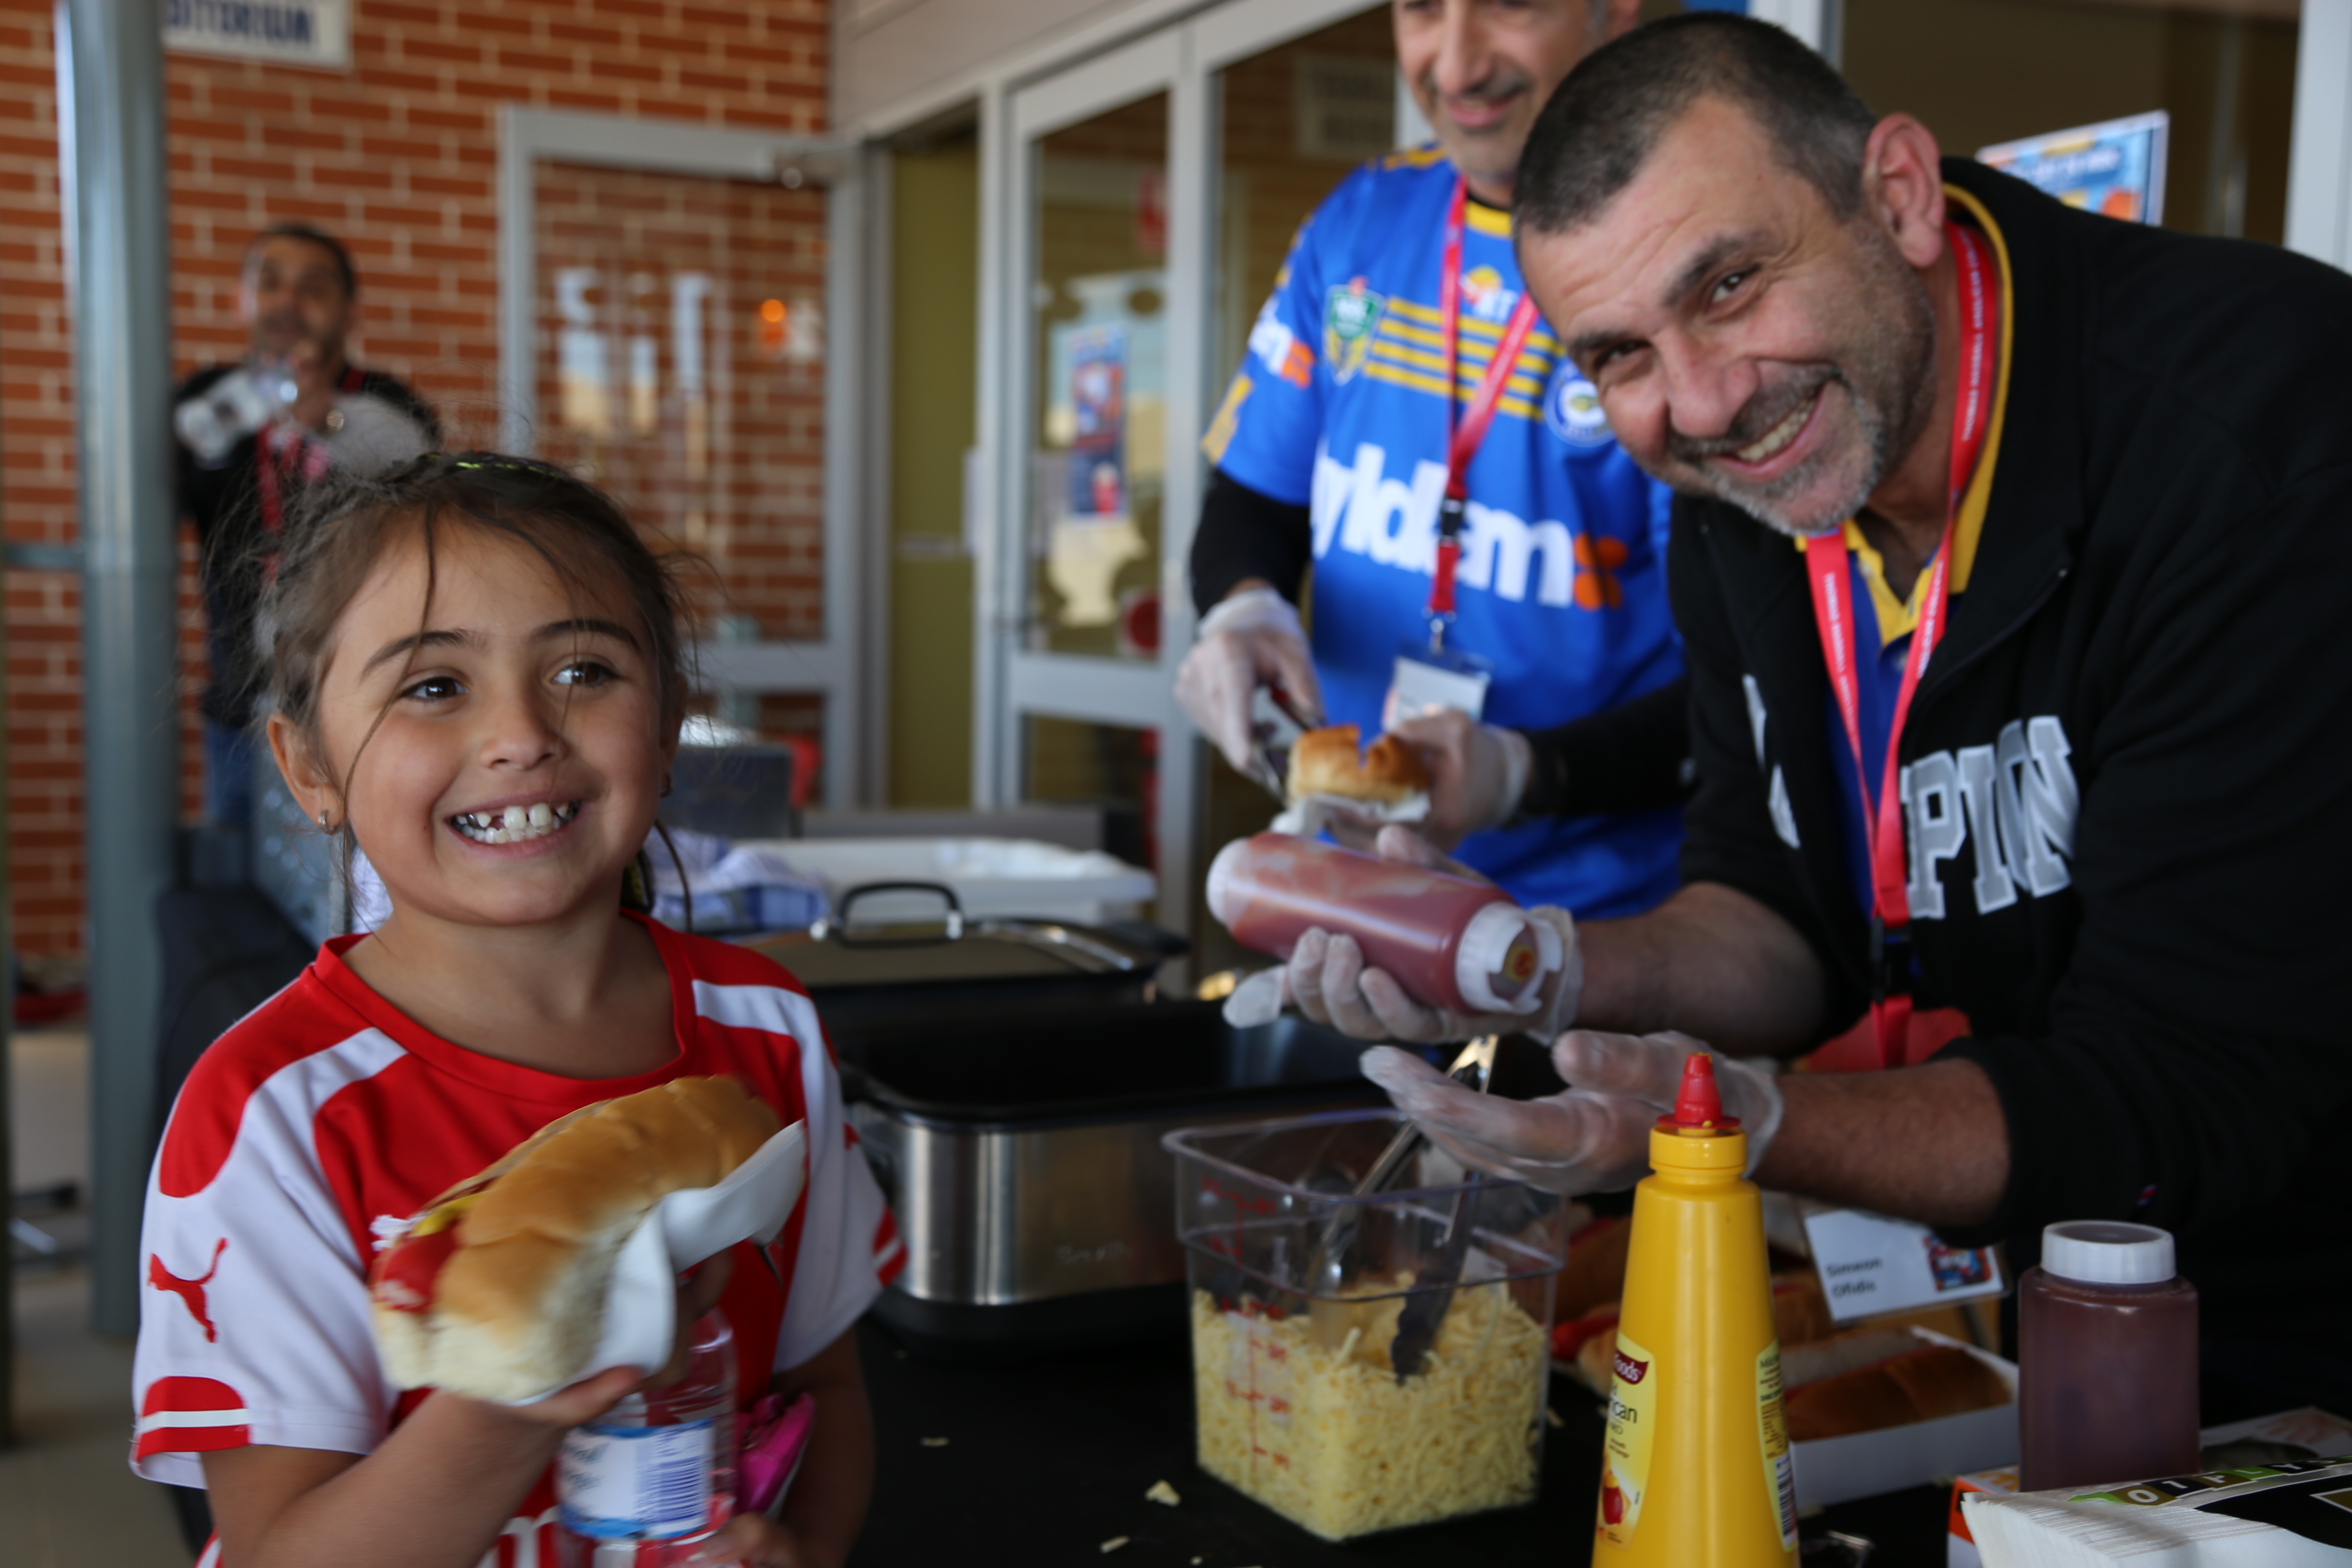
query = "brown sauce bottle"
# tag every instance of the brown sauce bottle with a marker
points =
(2107, 1359)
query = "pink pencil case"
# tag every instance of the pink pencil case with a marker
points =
(774, 1440)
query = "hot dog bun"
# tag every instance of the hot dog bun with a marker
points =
(1325, 761)
(1919, 1386)
(497, 1289)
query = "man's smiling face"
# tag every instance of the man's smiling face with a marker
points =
(1481, 71)
(1747, 343)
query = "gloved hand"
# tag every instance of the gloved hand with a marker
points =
(1326, 980)
(1249, 639)
(1592, 1137)
(1478, 773)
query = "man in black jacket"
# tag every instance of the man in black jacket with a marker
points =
(251, 435)
(2114, 864)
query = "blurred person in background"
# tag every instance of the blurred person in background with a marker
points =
(1358, 410)
(250, 435)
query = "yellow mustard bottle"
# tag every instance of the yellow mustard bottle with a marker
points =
(1695, 1471)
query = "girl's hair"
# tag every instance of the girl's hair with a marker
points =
(344, 526)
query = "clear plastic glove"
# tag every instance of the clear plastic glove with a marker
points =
(1478, 773)
(1249, 639)
(1592, 1137)
(1327, 981)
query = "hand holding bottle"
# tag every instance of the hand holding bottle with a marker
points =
(1592, 1137)
(1330, 981)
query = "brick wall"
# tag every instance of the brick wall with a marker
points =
(399, 156)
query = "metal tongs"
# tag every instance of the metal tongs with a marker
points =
(1275, 729)
(1424, 1310)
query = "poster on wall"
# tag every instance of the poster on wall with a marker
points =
(2115, 168)
(316, 33)
(1097, 358)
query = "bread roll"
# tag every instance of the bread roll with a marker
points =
(497, 1289)
(1922, 1384)
(1325, 761)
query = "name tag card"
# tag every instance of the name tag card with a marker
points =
(1427, 682)
(1871, 1265)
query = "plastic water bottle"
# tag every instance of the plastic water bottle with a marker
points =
(235, 406)
(642, 1484)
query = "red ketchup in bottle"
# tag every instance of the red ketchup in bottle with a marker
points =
(1450, 943)
(2106, 1359)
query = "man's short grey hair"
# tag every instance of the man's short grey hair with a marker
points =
(1600, 127)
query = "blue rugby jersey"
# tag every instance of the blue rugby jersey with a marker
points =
(1562, 587)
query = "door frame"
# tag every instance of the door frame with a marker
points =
(1012, 683)
(834, 665)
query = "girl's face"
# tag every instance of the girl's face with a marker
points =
(522, 746)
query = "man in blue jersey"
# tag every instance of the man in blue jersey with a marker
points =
(1359, 412)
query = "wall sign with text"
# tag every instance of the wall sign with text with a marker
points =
(315, 33)
(2116, 168)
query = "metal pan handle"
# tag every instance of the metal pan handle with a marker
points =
(835, 927)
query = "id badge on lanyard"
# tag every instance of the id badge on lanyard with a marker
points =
(1434, 675)
(1825, 565)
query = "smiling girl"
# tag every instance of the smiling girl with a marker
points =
(477, 673)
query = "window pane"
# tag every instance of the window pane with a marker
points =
(681, 366)
(1983, 71)
(1098, 444)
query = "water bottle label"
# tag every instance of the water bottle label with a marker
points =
(636, 1483)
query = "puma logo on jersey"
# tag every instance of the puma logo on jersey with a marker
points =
(1361, 510)
(190, 1292)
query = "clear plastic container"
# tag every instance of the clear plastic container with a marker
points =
(1298, 1292)
(646, 1482)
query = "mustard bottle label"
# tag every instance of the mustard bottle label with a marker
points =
(1773, 1427)
(1625, 1453)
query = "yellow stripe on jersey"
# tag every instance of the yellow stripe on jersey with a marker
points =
(1420, 359)
(1228, 419)
(1397, 375)
(1413, 157)
(1392, 327)
(1474, 330)
(1527, 381)
(1489, 220)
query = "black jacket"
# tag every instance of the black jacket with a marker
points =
(223, 502)
(2124, 755)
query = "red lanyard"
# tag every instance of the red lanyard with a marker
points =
(1462, 440)
(1825, 561)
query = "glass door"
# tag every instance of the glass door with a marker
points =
(1152, 194)
(1095, 435)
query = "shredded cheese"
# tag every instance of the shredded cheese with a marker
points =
(1304, 1413)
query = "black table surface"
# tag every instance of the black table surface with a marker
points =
(1045, 1460)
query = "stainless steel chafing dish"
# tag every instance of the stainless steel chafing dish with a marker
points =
(1023, 1159)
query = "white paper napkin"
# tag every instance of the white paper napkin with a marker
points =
(1306, 819)
(641, 1298)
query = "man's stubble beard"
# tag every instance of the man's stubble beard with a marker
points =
(1486, 157)
(1888, 371)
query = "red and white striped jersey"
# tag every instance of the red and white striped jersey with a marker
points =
(325, 1118)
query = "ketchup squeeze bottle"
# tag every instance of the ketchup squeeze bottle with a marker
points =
(1696, 1470)
(2107, 1337)
(1450, 943)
